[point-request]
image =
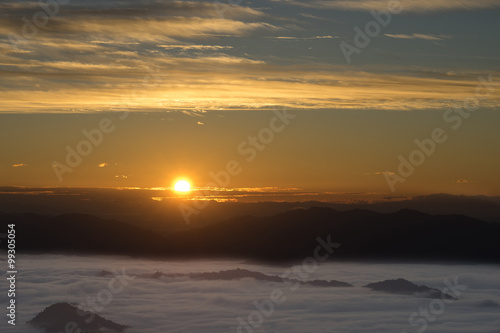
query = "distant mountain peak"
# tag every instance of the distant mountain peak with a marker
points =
(402, 286)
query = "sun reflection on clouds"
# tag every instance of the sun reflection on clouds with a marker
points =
(268, 194)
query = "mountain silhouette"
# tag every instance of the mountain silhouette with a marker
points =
(239, 273)
(402, 286)
(406, 235)
(80, 233)
(55, 318)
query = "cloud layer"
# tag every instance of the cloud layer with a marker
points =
(151, 55)
(183, 305)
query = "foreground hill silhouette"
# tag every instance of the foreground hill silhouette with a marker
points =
(405, 235)
(55, 318)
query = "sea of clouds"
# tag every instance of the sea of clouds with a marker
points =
(182, 304)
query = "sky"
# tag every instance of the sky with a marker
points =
(313, 95)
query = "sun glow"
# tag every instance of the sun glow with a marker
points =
(182, 186)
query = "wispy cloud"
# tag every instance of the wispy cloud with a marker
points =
(225, 82)
(408, 5)
(90, 56)
(195, 47)
(303, 38)
(418, 36)
(463, 181)
(379, 173)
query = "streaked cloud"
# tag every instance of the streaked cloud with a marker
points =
(92, 57)
(135, 9)
(188, 83)
(418, 36)
(408, 5)
(19, 165)
(314, 17)
(379, 173)
(303, 38)
(195, 47)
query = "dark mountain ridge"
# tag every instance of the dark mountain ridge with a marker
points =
(405, 235)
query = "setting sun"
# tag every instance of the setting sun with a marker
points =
(182, 186)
